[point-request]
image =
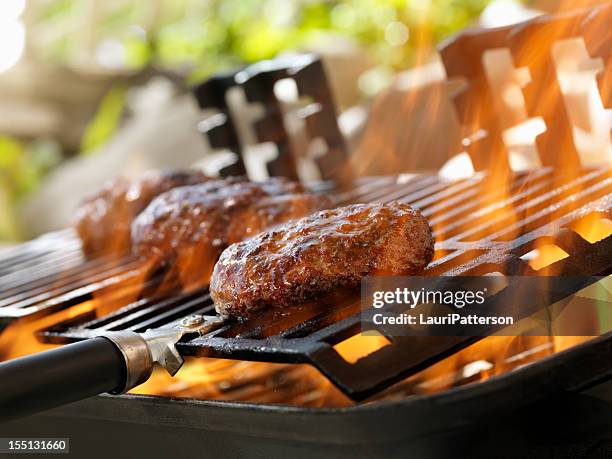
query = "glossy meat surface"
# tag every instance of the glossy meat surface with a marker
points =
(316, 254)
(104, 218)
(190, 226)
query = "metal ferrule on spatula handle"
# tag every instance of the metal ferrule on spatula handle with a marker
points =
(142, 350)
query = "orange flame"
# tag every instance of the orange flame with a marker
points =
(387, 148)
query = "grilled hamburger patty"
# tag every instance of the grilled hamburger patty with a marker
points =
(104, 218)
(190, 226)
(316, 254)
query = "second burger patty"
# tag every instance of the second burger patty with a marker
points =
(333, 248)
(190, 226)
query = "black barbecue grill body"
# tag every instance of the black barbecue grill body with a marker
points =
(424, 426)
(535, 411)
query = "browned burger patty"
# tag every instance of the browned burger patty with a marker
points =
(316, 254)
(104, 219)
(190, 226)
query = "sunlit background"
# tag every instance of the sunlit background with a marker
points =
(92, 87)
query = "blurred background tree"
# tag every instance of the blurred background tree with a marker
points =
(93, 50)
(198, 37)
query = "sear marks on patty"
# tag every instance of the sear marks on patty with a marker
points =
(190, 226)
(103, 220)
(333, 248)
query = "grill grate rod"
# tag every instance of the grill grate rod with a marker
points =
(116, 283)
(45, 242)
(37, 296)
(44, 269)
(65, 274)
(39, 258)
(313, 332)
(32, 261)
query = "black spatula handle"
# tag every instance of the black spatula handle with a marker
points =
(59, 376)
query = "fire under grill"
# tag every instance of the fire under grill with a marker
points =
(481, 226)
(554, 221)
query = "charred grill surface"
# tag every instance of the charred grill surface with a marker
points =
(317, 254)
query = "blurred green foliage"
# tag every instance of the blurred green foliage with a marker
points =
(22, 166)
(105, 121)
(203, 36)
(199, 37)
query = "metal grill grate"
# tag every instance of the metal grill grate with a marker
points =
(480, 228)
(50, 273)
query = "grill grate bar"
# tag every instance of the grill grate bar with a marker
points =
(52, 242)
(44, 269)
(421, 199)
(45, 241)
(28, 262)
(141, 310)
(480, 213)
(470, 217)
(194, 306)
(120, 285)
(537, 201)
(596, 191)
(24, 301)
(63, 277)
(362, 189)
(474, 205)
(397, 188)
